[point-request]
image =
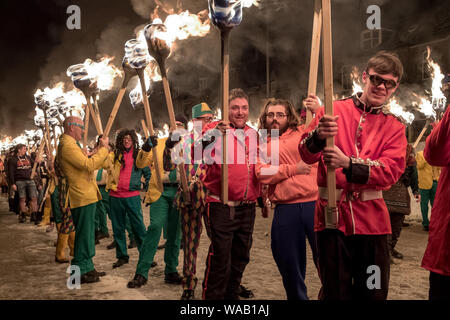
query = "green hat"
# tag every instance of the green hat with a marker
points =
(200, 109)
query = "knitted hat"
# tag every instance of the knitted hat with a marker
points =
(200, 109)
(182, 119)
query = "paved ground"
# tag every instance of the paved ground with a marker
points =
(28, 270)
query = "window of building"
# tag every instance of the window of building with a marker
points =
(203, 83)
(371, 38)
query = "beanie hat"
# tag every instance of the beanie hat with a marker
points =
(182, 119)
(200, 109)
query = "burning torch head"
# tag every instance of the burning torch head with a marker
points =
(52, 112)
(130, 72)
(39, 121)
(225, 14)
(136, 98)
(36, 139)
(80, 77)
(61, 104)
(156, 36)
(41, 100)
(53, 122)
(136, 55)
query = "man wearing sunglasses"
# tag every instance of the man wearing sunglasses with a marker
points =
(83, 193)
(369, 156)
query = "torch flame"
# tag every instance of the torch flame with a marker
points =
(397, 110)
(249, 3)
(103, 72)
(179, 27)
(357, 86)
(164, 133)
(438, 99)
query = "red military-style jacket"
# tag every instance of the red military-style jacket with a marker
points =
(375, 141)
(242, 182)
(437, 153)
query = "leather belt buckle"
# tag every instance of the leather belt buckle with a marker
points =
(354, 195)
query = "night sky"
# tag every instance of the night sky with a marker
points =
(37, 47)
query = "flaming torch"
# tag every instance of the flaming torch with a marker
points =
(138, 59)
(86, 83)
(436, 107)
(438, 100)
(43, 103)
(159, 50)
(91, 77)
(130, 72)
(225, 15)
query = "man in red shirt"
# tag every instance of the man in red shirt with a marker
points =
(230, 226)
(369, 156)
(437, 255)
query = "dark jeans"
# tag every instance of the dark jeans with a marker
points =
(353, 267)
(439, 287)
(396, 225)
(230, 231)
(292, 223)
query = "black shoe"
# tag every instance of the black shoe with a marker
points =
(120, 262)
(396, 254)
(22, 217)
(245, 293)
(112, 245)
(426, 228)
(97, 242)
(99, 274)
(173, 278)
(137, 282)
(33, 217)
(38, 218)
(405, 224)
(154, 264)
(132, 244)
(89, 277)
(187, 295)
(162, 246)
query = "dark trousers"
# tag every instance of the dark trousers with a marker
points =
(439, 287)
(396, 225)
(292, 223)
(230, 231)
(353, 267)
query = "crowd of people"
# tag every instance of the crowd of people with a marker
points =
(79, 189)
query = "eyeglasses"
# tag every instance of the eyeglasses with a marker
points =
(127, 138)
(377, 80)
(206, 119)
(76, 124)
(278, 115)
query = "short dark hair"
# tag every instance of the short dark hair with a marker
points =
(18, 147)
(237, 93)
(385, 62)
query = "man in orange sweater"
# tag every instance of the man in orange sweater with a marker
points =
(293, 188)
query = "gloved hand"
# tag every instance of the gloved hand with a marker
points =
(151, 142)
(172, 140)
